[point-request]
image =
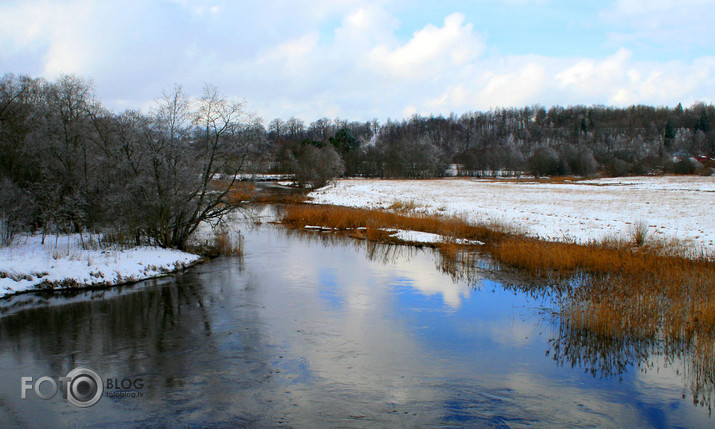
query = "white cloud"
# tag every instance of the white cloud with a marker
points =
(620, 80)
(296, 49)
(361, 29)
(431, 50)
(519, 88)
(51, 26)
(590, 77)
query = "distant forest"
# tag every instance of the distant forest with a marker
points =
(574, 140)
(67, 164)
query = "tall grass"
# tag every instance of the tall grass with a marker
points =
(639, 231)
(222, 241)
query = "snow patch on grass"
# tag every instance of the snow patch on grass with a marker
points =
(62, 262)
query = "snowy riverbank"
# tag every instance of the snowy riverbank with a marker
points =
(63, 262)
(674, 208)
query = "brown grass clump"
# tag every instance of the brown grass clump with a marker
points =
(541, 257)
(225, 245)
(223, 242)
(639, 231)
(670, 308)
(403, 206)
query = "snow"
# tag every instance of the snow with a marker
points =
(62, 261)
(675, 208)
(317, 228)
(417, 236)
(257, 177)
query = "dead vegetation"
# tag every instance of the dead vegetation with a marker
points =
(372, 221)
(222, 241)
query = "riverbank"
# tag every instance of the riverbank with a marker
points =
(72, 261)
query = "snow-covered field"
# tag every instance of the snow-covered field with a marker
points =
(674, 208)
(63, 262)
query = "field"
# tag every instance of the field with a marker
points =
(674, 210)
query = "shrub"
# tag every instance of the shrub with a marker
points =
(639, 233)
(544, 162)
(315, 167)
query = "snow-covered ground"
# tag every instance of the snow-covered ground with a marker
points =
(62, 261)
(674, 208)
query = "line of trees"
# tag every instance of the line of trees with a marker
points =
(575, 140)
(67, 164)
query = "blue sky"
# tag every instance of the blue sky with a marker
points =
(363, 59)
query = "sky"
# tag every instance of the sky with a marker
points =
(365, 59)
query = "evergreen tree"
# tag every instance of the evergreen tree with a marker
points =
(344, 141)
(703, 123)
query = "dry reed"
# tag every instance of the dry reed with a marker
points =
(345, 218)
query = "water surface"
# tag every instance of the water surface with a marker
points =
(311, 331)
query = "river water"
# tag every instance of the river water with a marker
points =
(310, 330)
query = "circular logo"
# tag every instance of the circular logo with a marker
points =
(85, 387)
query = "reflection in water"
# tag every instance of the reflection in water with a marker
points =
(312, 329)
(612, 356)
(608, 325)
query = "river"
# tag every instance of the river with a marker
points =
(311, 330)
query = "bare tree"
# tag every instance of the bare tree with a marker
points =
(321, 130)
(186, 159)
(276, 128)
(295, 128)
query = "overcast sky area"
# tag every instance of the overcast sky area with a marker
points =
(362, 59)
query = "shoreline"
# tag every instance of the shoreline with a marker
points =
(63, 264)
(98, 286)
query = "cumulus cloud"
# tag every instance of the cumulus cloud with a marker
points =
(431, 49)
(620, 80)
(588, 77)
(520, 87)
